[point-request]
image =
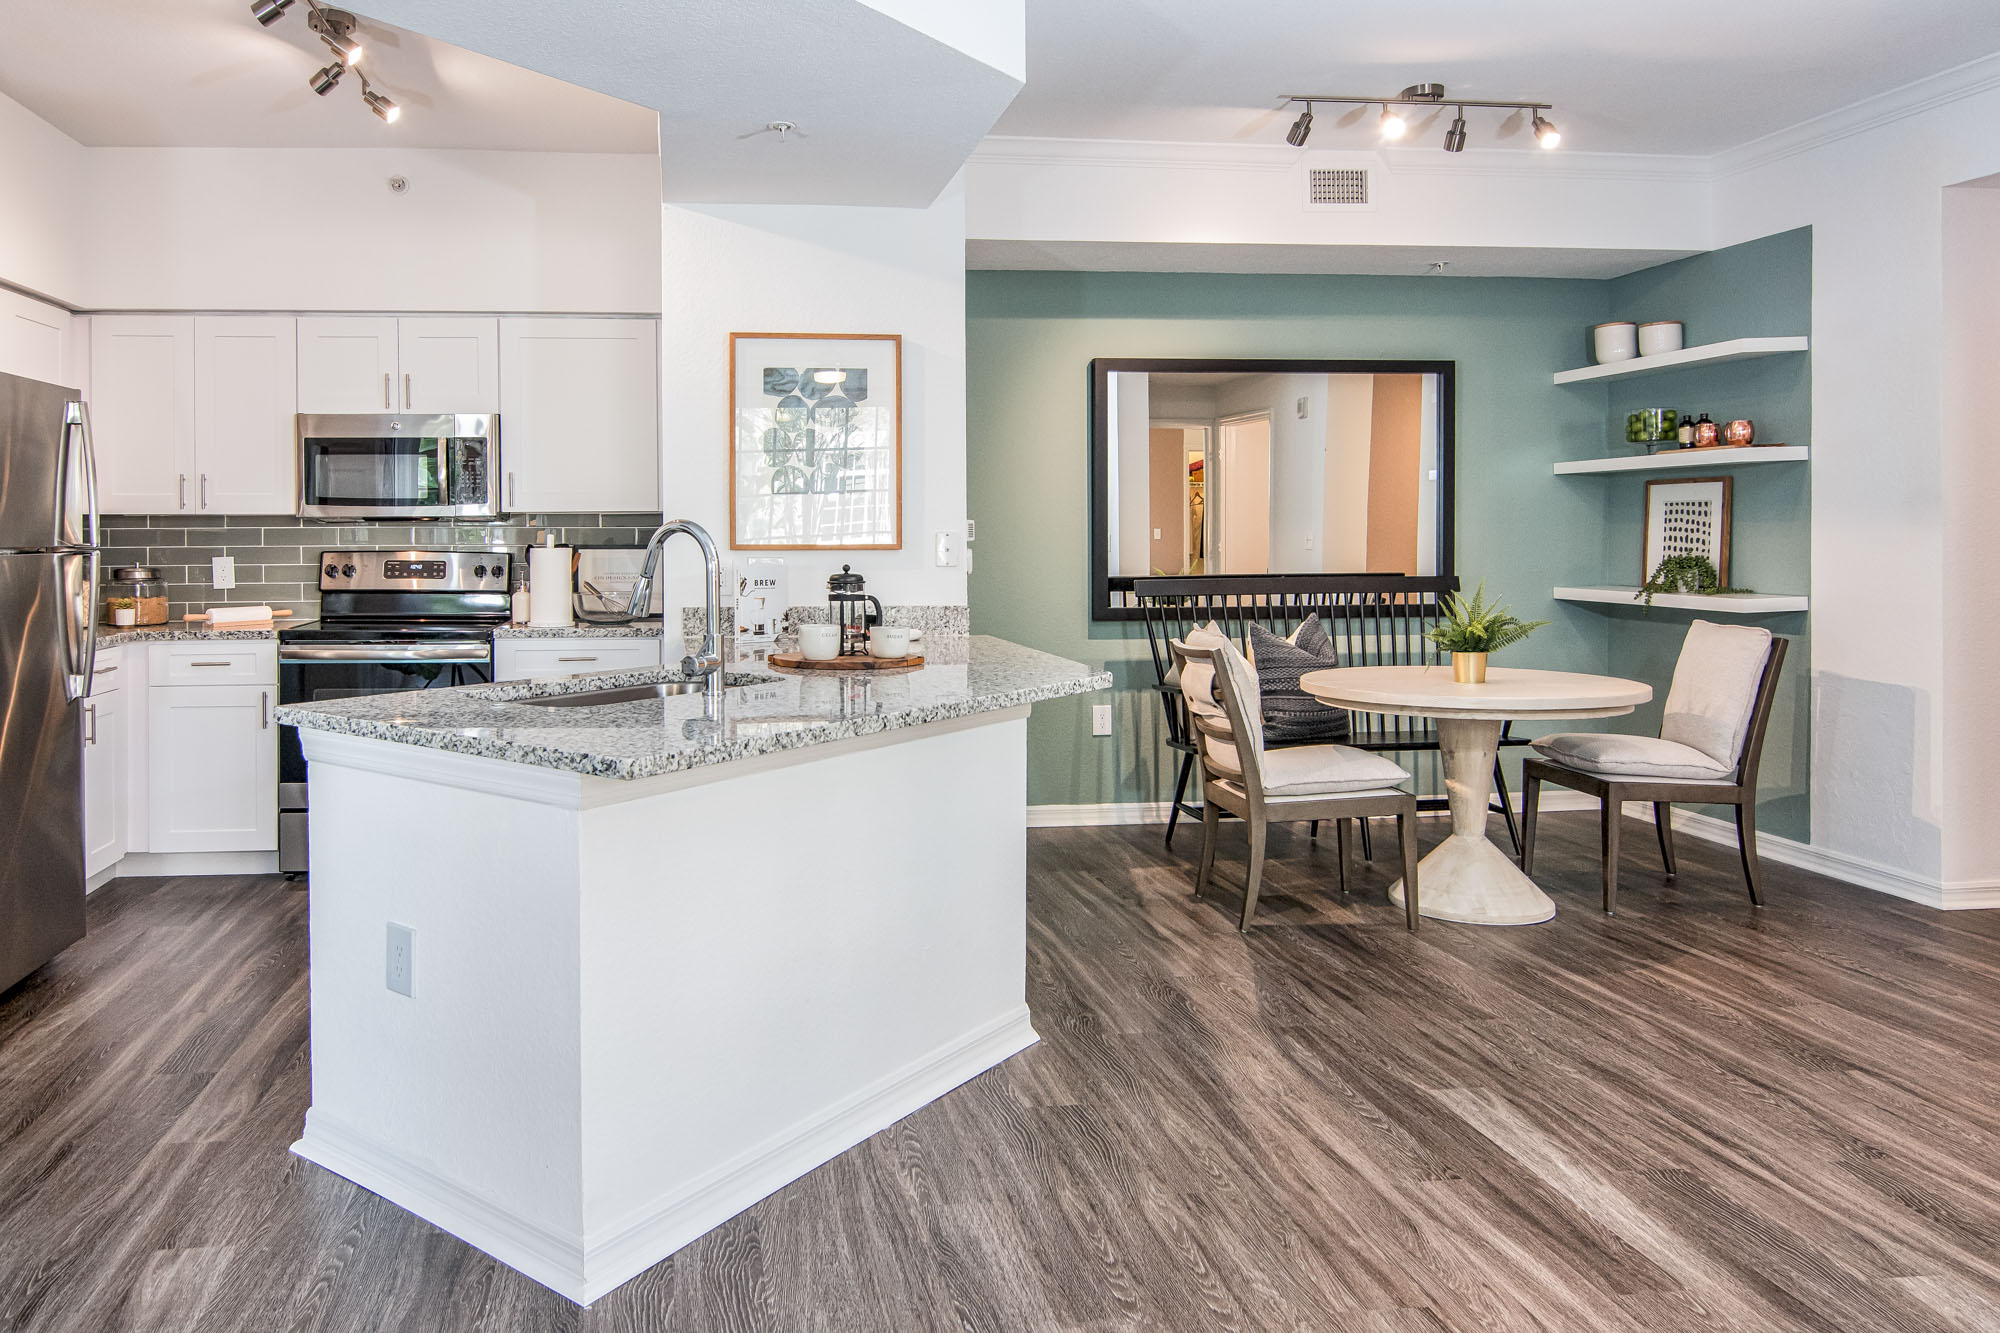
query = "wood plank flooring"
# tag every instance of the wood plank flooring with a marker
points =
(1690, 1116)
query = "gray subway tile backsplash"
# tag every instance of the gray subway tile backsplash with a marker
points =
(276, 556)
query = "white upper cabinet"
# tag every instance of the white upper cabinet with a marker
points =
(347, 363)
(579, 415)
(142, 412)
(449, 364)
(34, 340)
(246, 391)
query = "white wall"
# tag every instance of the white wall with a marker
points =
(808, 269)
(40, 205)
(1349, 442)
(1129, 500)
(1297, 461)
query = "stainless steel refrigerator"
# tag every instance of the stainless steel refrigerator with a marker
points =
(48, 640)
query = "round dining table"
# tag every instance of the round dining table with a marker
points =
(1466, 877)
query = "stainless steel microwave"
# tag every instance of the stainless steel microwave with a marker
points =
(407, 465)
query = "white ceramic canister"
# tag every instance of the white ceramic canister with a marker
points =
(1660, 336)
(1615, 342)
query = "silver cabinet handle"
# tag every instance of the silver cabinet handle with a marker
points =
(103, 671)
(90, 715)
(204, 490)
(208, 664)
(591, 658)
(264, 710)
(385, 390)
(406, 390)
(184, 490)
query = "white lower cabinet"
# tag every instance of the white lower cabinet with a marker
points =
(212, 750)
(522, 659)
(104, 772)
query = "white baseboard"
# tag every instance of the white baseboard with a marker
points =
(1851, 869)
(190, 863)
(583, 1268)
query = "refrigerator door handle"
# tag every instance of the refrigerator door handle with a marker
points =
(79, 462)
(79, 611)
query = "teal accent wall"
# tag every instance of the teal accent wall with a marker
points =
(1031, 338)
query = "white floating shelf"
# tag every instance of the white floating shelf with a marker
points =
(1676, 460)
(1721, 603)
(1736, 349)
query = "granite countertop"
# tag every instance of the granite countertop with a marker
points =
(763, 713)
(638, 629)
(111, 637)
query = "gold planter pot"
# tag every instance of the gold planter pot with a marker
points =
(1468, 668)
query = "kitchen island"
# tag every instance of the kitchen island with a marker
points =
(663, 958)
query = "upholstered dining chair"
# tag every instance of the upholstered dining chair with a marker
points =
(1707, 752)
(1304, 782)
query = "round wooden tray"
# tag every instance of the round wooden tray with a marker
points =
(855, 662)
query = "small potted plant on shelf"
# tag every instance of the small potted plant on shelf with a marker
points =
(1685, 573)
(1470, 630)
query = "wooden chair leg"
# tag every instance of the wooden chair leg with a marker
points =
(1406, 838)
(1746, 847)
(1211, 821)
(1312, 830)
(1506, 806)
(1367, 843)
(1608, 841)
(1340, 854)
(1257, 833)
(1663, 822)
(1531, 800)
(1180, 793)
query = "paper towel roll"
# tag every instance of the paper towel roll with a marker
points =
(549, 586)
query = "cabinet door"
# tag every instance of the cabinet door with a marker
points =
(450, 364)
(142, 412)
(34, 340)
(524, 659)
(579, 415)
(212, 761)
(347, 363)
(245, 398)
(103, 779)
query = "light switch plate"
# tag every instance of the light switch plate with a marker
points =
(222, 571)
(947, 550)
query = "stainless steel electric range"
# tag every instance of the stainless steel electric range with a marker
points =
(389, 621)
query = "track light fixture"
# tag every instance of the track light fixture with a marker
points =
(1394, 123)
(340, 31)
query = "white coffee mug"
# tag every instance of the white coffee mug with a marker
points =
(889, 641)
(819, 643)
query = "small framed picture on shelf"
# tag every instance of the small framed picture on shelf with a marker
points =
(816, 441)
(1688, 517)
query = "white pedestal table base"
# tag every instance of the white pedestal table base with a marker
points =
(1466, 878)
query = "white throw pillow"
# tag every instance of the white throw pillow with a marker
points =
(1715, 688)
(1614, 754)
(1198, 678)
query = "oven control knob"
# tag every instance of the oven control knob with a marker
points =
(347, 571)
(333, 571)
(479, 571)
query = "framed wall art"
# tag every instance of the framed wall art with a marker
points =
(816, 441)
(1688, 517)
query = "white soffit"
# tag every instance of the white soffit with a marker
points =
(205, 74)
(1371, 260)
(887, 112)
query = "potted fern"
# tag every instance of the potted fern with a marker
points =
(1684, 573)
(1470, 630)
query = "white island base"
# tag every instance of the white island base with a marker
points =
(641, 1006)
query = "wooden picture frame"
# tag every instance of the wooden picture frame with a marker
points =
(813, 464)
(1687, 515)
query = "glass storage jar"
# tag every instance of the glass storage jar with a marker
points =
(139, 587)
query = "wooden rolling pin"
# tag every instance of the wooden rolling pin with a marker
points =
(221, 616)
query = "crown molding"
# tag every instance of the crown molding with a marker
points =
(1912, 99)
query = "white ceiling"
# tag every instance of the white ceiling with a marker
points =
(204, 74)
(1379, 260)
(1681, 77)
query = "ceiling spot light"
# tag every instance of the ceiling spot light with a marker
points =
(1301, 128)
(336, 28)
(268, 12)
(1546, 133)
(322, 81)
(377, 103)
(1393, 123)
(1454, 138)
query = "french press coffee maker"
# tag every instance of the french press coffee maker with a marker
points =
(849, 608)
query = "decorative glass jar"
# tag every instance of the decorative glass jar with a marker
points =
(139, 587)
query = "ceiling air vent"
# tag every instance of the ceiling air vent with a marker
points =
(1336, 187)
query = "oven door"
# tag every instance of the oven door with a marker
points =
(386, 466)
(315, 672)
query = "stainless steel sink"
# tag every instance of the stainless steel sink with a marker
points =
(629, 694)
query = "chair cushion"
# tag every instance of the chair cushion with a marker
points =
(1291, 716)
(1313, 770)
(1614, 754)
(1715, 688)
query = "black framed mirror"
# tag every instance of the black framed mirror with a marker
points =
(1204, 467)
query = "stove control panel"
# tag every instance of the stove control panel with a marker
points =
(415, 571)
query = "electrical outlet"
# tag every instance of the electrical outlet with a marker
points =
(947, 550)
(1100, 719)
(1156, 536)
(401, 970)
(222, 571)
